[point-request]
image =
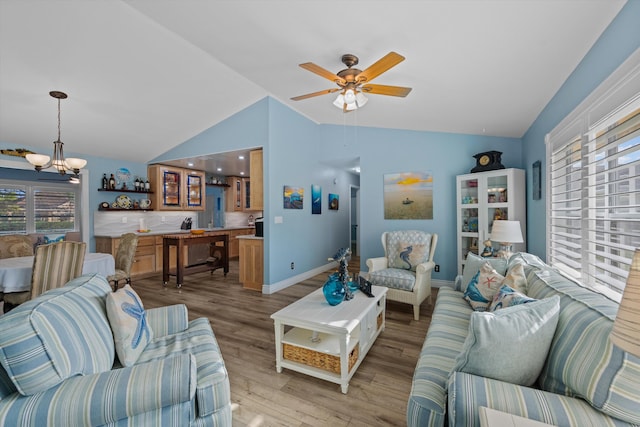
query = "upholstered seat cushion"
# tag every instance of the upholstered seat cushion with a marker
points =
(396, 278)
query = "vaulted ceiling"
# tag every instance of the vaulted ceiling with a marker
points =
(144, 76)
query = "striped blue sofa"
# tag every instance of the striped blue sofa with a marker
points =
(586, 381)
(58, 366)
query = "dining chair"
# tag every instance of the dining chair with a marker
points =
(124, 260)
(53, 266)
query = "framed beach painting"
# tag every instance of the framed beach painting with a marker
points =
(293, 197)
(408, 195)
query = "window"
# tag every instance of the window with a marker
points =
(38, 208)
(593, 225)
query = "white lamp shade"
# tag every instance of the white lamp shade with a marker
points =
(37, 159)
(361, 99)
(339, 102)
(75, 163)
(626, 328)
(506, 231)
(349, 96)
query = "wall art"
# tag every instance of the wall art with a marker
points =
(408, 195)
(334, 202)
(316, 199)
(293, 197)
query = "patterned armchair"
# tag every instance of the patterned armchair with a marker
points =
(124, 259)
(406, 267)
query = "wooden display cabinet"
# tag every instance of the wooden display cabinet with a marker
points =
(176, 189)
(256, 198)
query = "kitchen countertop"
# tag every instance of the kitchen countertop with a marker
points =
(251, 236)
(162, 233)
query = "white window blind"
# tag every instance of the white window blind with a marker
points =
(13, 209)
(594, 187)
(54, 210)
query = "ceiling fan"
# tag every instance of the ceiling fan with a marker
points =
(352, 82)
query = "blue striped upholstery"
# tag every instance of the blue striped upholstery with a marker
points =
(61, 334)
(586, 381)
(582, 361)
(168, 320)
(467, 392)
(213, 384)
(445, 338)
(71, 379)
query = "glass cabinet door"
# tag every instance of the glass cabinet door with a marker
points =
(497, 192)
(171, 188)
(247, 193)
(194, 190)
(468, 221)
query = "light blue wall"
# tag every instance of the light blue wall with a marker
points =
(615, 45)
(384, 151)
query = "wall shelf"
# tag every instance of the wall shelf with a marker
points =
(125, 191)
(124, 209)
(218, 185)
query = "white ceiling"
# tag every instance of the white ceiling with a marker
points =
(144, 76)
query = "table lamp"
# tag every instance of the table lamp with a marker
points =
(626, 328)
(507, 233)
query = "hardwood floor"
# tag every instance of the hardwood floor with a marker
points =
(378, 391)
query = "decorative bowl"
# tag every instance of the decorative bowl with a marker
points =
(197, 232)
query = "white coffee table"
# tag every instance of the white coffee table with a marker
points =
(345, 331)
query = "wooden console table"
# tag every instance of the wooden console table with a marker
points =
(180, 241)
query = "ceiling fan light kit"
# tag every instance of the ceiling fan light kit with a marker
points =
(62, 165)
(351, 81)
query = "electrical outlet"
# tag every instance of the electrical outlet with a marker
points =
(437, 268)
(124, 219)
(293, 265)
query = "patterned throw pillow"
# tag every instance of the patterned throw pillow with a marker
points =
(508, 297)
(483, 287)
(473, 263)
(406, 249)
(516, 279)
(128, 322)
(410, 255)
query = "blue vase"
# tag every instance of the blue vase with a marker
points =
(333, 290)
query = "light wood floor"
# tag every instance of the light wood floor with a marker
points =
(378, 391)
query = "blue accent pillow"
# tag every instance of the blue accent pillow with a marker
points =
(53, 239)
(510, 344)
(508, 297)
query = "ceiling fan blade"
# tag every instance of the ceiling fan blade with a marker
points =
(322, 72)
(391, 59)
(311, 95)
(386, 90)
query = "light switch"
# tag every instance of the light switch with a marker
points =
(277, 220)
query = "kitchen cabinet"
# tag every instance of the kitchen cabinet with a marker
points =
(234, 243)
(144, 260)
(482, 198)
(250, 263)
(238, 194)
(256, 199)
(176, 188)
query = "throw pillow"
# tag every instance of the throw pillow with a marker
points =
(483, 287)
(128, 322)
(511, 344)
(472, 265)
(508, 297)
(410, 255)
(515, 278)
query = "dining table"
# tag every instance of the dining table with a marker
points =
(15, 273)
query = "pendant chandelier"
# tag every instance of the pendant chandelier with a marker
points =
(41, 161)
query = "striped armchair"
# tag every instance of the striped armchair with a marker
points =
(58, 365)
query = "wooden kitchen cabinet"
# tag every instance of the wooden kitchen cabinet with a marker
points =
(235, 195)
(256, 198)
(176, 188)
(234, 243)
(144, 260)
(250, 263)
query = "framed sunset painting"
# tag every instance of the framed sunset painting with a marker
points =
(408, 195)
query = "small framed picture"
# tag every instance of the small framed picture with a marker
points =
(537, 191)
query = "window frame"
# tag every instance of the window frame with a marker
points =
(615, 98)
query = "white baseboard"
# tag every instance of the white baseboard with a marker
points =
(278, 286)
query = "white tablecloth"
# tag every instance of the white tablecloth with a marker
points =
(15, 273)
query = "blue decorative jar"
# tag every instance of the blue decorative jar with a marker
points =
(333, 290)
